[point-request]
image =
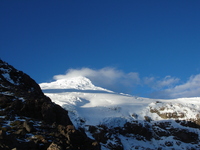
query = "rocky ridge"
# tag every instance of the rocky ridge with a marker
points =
(30, 120)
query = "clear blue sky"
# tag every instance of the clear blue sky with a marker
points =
(157, 39)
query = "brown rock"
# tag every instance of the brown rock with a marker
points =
(2, 134)
(54, 146)
(28, 126)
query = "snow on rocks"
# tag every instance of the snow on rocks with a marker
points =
(90, 102)
(110, 115)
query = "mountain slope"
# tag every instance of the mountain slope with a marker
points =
(120, 121)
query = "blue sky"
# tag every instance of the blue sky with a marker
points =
(151, 47)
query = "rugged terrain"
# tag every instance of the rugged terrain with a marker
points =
(30, 120)
(84, 116)
(123, 122)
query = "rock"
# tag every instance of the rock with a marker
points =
(26, 97)
(138, 129)
(77, 139)
(2, 134)
(186, 136)
(147, 118)
(28, 126)
(160, 132)
(116, 145)
(54, 146)
(20, 132)
(168, 143)
(70, 129)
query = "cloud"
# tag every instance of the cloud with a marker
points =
(107, 77)
(189, 89)
(119, 81)
(157, 84)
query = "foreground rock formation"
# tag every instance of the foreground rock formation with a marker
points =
(30, 120)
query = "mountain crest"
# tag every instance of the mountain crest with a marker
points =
(78, 83)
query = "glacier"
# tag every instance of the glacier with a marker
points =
(91, 106)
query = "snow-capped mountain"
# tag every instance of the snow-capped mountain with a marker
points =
(111, 121)
(78, 83)
(120, 121)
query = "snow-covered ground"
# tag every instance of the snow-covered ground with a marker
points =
(88, 105)
(95, 105)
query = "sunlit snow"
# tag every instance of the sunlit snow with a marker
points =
(95, 105)
(91, 105)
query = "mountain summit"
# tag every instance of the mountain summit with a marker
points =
(78, 83)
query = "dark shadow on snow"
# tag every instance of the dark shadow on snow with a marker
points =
(74, 90)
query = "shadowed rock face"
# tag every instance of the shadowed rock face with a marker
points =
(30, 120)
(26, 97)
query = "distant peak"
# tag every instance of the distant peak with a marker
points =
(78, 79)
(79, 83)
(76, 83)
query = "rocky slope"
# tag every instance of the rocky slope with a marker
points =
(30, 120)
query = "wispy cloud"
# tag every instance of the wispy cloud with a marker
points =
(108, 77)
(158, 84)
(119, 81)
(189, 89)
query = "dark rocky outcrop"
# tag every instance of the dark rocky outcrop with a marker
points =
(30, 120)
(147, 132)
(21, 95)
(137, 129)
